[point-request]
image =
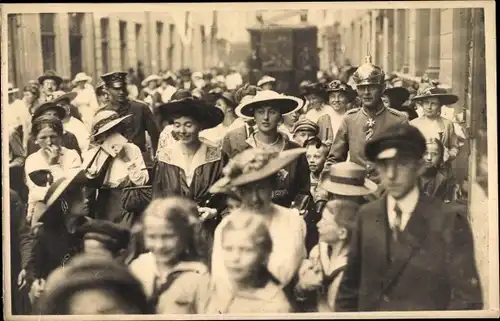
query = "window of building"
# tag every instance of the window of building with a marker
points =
(75, 41)
(105, 44)
(171, 47)
(159, 45)
(139, 42)
(47, 30)
(203, 46)
(12, 49)
(123, 45)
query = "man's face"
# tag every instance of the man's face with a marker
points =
(49, 85)
(399, 175)
(316, 158)
(370, 95)
(118, 95)
(267, 118)
(301, 136)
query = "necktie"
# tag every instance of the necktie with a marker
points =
(397, 223)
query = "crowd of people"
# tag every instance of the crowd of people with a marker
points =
(200, 193)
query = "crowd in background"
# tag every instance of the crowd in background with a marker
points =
(198, 192)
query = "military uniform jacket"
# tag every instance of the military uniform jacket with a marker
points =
(351, 135)
(142, 120)
(432, 267)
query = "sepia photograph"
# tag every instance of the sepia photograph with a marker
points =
(289, 160)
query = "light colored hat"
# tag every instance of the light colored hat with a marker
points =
(252, 165)
(81, 76)
(169, 75)
(105, 120)
(12, 90)
(197, 75)
(266, 80)
(286, 104)
(347, 179)
(146, 81)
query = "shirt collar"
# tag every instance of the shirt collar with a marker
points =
(380, 111)
(407, 204)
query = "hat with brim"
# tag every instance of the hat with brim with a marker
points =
(81, 76)
(56, 189)
(340, 86)
(146, 81)
(50, 75)
(218, 93)
(305, 125)
(435, 92)
(61, 112)
(266, 80)
(270, 163)
(397, 95)
(12, 90)
(397, 140)
(286, 104)
(104, 121)
(348, 179)
(68, 97)
(183, 103)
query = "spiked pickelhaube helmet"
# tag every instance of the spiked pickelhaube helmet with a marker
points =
(368, 74)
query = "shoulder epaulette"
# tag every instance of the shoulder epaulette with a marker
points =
(140, 102)
(352, 111)
(397, 112)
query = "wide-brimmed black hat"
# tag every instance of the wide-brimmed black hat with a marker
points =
(61, 112)
(339, 85)
(183, 103)
(397, 95)
(432, 91)
(398, 139)
(50, 74)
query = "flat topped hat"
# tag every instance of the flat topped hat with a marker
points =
(348, 179)
(217, 93)
(107, 232)
(432, 90)
(50, 74)
(150, 78)
(81, 76)
(11, 89)
(339, 85)
(115, 79)
(266, 80)
(397, 95)
(400, 139)
(286, 104)
(368, 74)
(67, 97)
(305, 124)
(100, 87)
(252, 165)
(50, 105)
(86, 271)
(184, 103)
(105, 120)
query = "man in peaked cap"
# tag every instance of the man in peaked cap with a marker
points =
(142, 119)
(410, 251)
(359, 125)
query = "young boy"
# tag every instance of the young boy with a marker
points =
(320, 275)
(316, 154)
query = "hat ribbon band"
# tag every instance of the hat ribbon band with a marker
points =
(348, 180)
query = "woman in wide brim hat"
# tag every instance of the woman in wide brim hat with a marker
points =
(12, 90)
(81, 77)
(286, 104)
(112, 174)
(396, 97)
(253, 175)
(59, 111)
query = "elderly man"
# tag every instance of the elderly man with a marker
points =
(50, 86)
(359, 125)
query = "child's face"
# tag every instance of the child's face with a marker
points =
(241, 257)
(316, 158)
(328, 229)
(301, 136)
(162, 240)
(432, 155)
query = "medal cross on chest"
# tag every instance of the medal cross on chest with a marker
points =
(370, 123)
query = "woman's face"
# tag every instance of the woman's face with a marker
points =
(242, 258)
(162, 240)
(186, 130)
(29, 97)
(81, 84)
(48, 137)
(99, 301)
(79, 203)
(291, 119)
(338, 101)
(430, 106)
(268, 86)
(386, 101)
(152, 84)
(51, 112)
(104, 98)
(267, 118)
(257, 195)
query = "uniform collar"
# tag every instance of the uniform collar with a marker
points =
(379, 111)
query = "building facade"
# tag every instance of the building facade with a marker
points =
(97, 43)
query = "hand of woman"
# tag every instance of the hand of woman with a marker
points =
(207, 213)
(53, 153)
(123, 154)
(21, 279)
(310, 277)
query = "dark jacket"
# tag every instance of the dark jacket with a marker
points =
(431, 268)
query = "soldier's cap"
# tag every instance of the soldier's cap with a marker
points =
(86, 271)
(305, 124)
(111, 234)
(400, 139)
(115, 79)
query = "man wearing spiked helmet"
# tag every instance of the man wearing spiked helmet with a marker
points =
(359, 125)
